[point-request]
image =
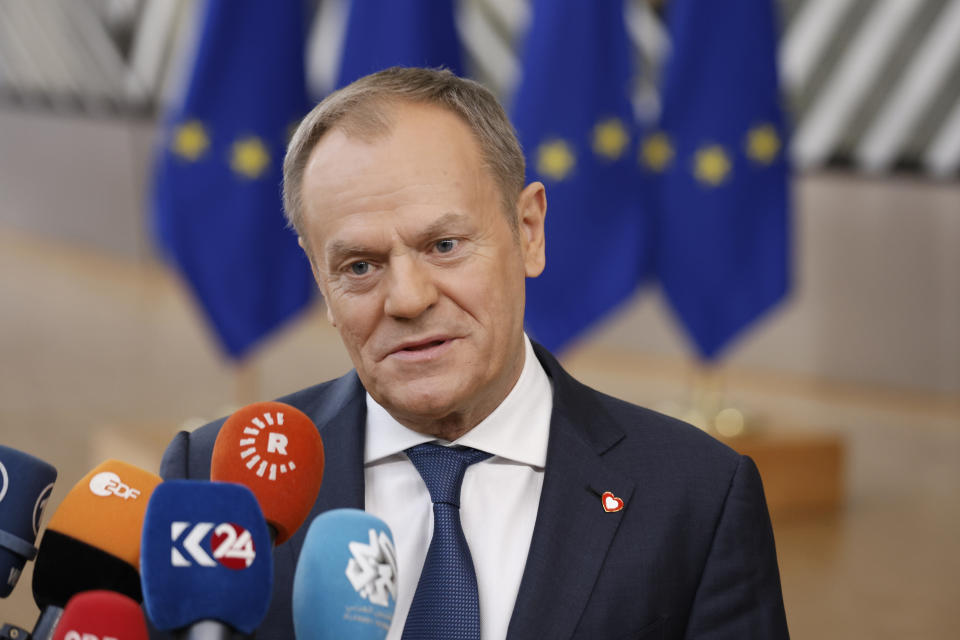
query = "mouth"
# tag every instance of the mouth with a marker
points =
(423, 349)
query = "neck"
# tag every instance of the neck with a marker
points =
(448, 428)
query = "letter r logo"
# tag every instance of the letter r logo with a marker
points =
(277, 443)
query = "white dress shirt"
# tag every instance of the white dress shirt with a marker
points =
(498, 499)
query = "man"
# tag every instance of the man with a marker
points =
(582, 516)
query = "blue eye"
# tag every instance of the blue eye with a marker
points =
(360, 268)
(446, 245)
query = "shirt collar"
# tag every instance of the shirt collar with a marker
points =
(517, 429)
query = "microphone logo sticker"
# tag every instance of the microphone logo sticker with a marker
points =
(107, 483)
(39, 506)
(230, 545)
(266, 456)
(76, 635)
(373, 569)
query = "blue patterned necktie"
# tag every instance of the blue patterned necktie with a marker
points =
(445, 606)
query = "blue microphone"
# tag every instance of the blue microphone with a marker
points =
(206, 559)
(25, 486)
(345, 585)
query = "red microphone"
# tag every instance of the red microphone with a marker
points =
(101, 615)
(274, 450)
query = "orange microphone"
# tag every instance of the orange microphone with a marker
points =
(275, 450)
(93, 540)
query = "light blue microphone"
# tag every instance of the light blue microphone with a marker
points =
(345, 585)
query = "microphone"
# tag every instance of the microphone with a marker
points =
(12, 632)
(207, 561)
(101, 615)
(25, 486)
(275, 450)
(93, 540)
(345, 584)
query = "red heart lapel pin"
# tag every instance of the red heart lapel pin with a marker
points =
(611, 502)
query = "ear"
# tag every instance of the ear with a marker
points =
(316, 277)
(531, 211)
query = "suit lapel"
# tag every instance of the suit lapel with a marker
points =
(573, 532)
(343, 433)
(340, 416)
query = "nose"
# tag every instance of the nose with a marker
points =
(410, 288)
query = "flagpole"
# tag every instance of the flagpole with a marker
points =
(707, 406)
(706, 392)
(246, 382)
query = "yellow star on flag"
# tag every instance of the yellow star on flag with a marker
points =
(190, 140)
(763, 144)
(249, 157)
(555, 159)
(657, 152)
(711, 165)
(610, 139)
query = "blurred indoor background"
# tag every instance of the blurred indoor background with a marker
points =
(849, 386)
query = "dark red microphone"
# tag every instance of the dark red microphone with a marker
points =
(275, 450)
(101, 615)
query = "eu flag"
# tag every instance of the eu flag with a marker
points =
(576, 124)
(409, 33)
(723, 214)
(217, 190)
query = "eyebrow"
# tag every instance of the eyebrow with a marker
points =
(340, 250)
(444, 223)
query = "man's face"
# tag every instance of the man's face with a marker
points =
(420, 269)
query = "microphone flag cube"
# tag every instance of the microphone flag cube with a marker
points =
(25, 486)
(101, 615)
(93, 538)
(206, 555)
(345, 584)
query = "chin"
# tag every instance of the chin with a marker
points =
(428, 404)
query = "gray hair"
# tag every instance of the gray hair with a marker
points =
(362, 109)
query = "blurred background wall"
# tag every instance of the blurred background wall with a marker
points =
(103, 352)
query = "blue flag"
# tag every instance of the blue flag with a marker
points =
(723, 213)
(576, 124)
(217, 190)
(410, 33)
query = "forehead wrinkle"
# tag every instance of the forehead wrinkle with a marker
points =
(353, 194)
(446, 222)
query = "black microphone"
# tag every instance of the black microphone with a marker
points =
(11, 632)
(25, 486)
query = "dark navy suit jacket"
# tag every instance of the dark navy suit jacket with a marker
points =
(691, 554)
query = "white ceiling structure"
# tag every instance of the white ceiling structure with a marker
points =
(873, 84)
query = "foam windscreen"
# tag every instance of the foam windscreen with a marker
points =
(105, 509)
(206, 556)
(275, 450)
(65, 567)
(93, 538)
(100, 615)
(25, 486)
(345, 584)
